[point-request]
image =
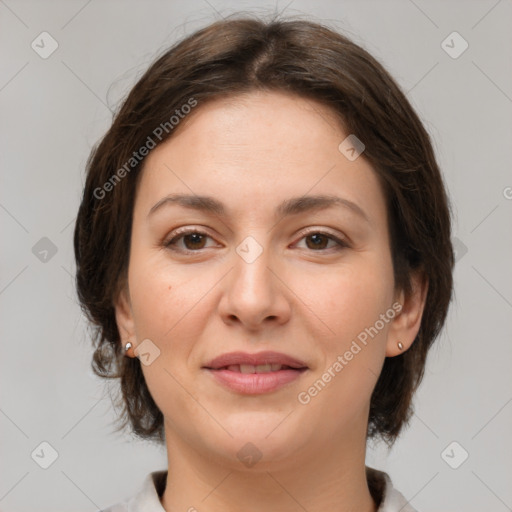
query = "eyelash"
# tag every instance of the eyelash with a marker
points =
(342, 244)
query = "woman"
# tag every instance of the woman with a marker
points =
(264, 246)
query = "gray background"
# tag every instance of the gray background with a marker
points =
(55, 109)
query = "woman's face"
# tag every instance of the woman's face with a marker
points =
(259, 270)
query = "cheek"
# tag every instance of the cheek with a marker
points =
(351, 297)
(150, 291)
(168, 302)
(351, 305)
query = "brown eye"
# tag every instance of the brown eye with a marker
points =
(193, 241)
(318, 241)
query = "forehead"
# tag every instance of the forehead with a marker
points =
(261, 123)
(255, 149)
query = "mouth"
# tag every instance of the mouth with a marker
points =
(261, 362)
(254, 374)
(260, 368)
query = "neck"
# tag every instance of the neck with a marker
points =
(315, 478)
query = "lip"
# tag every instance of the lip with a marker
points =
(255, 383)
(267, 357)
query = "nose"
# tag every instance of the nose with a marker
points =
(255, 295)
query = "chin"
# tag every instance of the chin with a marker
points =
(260, 441)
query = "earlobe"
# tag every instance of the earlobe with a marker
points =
(407, 322)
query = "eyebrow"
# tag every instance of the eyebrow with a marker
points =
(288, 207)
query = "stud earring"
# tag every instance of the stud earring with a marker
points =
(400, 346)
(127, 347)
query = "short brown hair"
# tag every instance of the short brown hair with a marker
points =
(237, 55)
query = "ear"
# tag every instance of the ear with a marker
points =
(124, 316)
(407, 322)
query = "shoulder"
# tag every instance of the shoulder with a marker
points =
(146, 498)
(118, 507)
(385, 494)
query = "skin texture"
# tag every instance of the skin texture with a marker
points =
(309, 301)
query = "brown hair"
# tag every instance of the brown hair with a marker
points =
(239, 55)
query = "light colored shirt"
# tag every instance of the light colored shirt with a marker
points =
(147, 498)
